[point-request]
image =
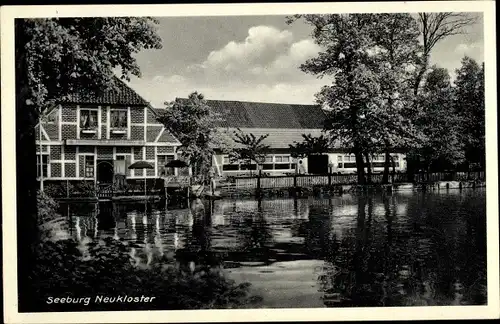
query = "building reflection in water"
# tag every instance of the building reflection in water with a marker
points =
(377, 250)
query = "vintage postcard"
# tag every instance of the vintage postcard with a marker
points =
(249, 162)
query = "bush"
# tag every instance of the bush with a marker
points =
(46, 206)
(65, 269)
(85, 188)
(59, 189)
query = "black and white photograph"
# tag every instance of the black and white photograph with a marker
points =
(328, 160)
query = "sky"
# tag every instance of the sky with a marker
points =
(253, 58)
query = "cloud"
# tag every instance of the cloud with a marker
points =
(261, 46)
(266, 55)
(262, 67)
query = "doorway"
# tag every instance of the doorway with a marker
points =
(105, 171)
(317, 164)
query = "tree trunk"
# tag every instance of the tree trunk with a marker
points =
(393, 168)
(385, 176)
(368, 168)
(26, 161)
(360, 166)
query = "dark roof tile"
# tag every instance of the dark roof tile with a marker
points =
(268, 115)
(122, 95)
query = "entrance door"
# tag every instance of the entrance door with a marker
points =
(105, 171)
(317, 164)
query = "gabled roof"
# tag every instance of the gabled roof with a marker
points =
(242, 114)
(122, 95)
(283, 123)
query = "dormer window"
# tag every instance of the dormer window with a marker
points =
(88, 120)
(119, 121)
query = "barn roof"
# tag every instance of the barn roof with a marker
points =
(243, 114)
(284, 123)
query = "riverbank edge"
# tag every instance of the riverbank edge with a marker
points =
(351, 189)
(305, 191)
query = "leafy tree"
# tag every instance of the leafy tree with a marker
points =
(396, 48)
(441, 126)
(193, 122)
(55, 57)
(252, 148)
(371, 57)
(346, 43)
(310, 145)
(470, 106)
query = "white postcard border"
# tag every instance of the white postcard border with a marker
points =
(402, 313)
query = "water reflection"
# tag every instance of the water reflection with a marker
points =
(377, 250)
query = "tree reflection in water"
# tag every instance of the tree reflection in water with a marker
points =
(427, 263)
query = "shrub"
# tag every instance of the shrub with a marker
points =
(85, 188)
(65, 269)
(46, 206)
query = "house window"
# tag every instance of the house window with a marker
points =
(45, 163)
(52, 117)
(118, 119)
(230, 167)
(281, 166)
(282, 162)
(348, 158)
(339, 158)
(248, 167)
(88, 119)
(162, 161)
(89, 166)
(269, 159)
(339, 165)
(267, 166)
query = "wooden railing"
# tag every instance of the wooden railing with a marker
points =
(312, 180)
(89, 189)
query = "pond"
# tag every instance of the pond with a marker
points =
(400, 249)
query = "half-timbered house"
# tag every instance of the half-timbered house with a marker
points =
(96, 138)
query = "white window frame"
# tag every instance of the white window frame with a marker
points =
(45, 176)
(282, 163)
(88, 131)
(119, 130)
(84, 175)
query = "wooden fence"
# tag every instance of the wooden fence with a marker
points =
(271, 182)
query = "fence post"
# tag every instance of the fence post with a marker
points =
(67, 188)
(329, 179)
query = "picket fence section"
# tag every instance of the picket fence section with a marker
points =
(270, 182)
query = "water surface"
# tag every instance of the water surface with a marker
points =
(371, 250)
